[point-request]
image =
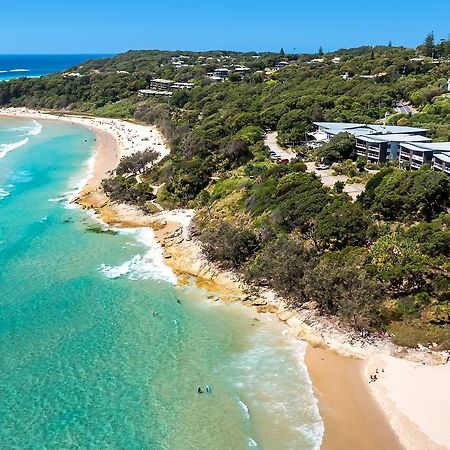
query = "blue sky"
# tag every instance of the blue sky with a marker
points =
(99, 26)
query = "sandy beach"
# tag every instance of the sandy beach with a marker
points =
(407, 407)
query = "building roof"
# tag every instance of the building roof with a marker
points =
(161, 80)
(445, 157)
(369, 128)
(416, 148)
(432, 146)
(402, 138)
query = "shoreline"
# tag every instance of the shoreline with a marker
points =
(330, 367)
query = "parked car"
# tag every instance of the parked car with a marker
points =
(283, 161)
(300, 155)
(322, 167)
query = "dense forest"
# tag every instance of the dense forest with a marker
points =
(381, 262)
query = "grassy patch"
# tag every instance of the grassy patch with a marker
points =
(414, 332)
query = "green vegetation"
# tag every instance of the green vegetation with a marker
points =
(382, 262)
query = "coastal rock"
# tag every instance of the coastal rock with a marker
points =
(285, 315)
(267, 309)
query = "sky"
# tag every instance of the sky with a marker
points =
(113, 26)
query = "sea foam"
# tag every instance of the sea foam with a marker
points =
(6, 148)
(4, 193)
(141, 267)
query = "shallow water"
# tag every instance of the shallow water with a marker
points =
(100, 349)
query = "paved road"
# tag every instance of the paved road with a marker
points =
(271, 142)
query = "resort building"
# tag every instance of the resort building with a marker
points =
(441, 162)
(381, 148)
(436, 154)
(383, 143)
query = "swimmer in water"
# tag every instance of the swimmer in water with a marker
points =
(200, 390)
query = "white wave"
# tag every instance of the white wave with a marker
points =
(141, 267)
(19, 70)
(6, 148)
(244, 408)
(252, 442)
(36, 129)
(4, 193)
(79, 184)
(3, 71)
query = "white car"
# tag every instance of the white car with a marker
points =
(322, 167)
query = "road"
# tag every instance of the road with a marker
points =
(271, 142)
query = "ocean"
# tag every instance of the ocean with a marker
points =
(100, 348)
(17, 66)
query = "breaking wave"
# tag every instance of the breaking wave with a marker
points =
(4, 193)
(141, 267)
(6, 148)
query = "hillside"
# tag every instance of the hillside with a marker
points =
(380, 263)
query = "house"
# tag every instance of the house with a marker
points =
(160, 84)
(187, 86)
(242, 70)
(153, 93)
(281, 65)
(222, 72)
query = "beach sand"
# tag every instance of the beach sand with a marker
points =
(352, 418)
(410, 402)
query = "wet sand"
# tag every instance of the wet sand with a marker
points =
(352, 418)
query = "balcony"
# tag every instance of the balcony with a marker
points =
(361, 146)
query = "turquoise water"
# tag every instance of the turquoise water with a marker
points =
(98, 347)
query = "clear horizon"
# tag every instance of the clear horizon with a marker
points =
(107, 28)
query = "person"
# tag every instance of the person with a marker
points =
(200, 390)
(208, 388)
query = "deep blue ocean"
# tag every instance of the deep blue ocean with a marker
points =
(16, 66)
(99, 347)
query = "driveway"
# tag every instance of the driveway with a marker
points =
(271, 142)
(330, 180)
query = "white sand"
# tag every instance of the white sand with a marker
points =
(416, 398)
(130, 137)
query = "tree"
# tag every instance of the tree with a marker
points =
(137, 163)
(342, 223)
(282, 52)
(320, 51)
(281, 264)
(229, 245)
(428, 45)
(343, 290)
(340, 148)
